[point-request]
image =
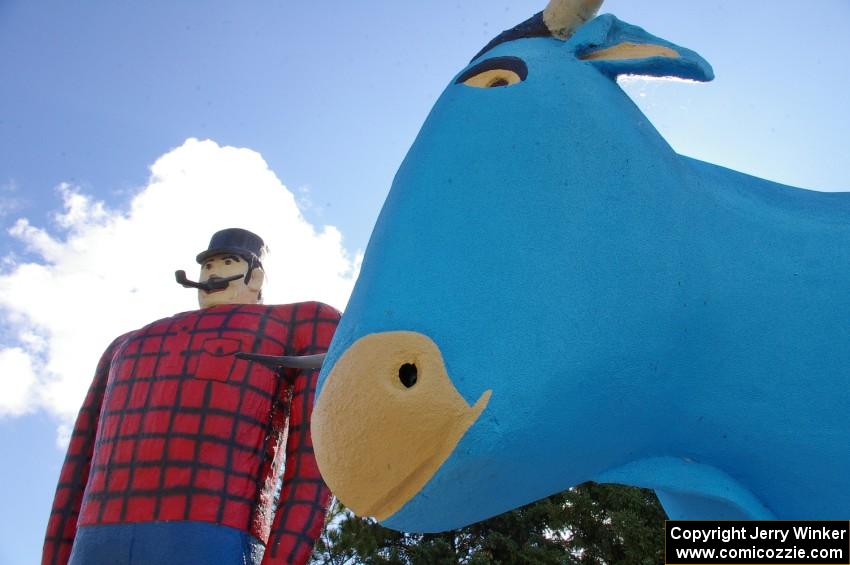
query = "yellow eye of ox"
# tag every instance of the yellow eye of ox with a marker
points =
(493, 78)
(493, 72)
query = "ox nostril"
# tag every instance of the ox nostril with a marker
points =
(407, 374)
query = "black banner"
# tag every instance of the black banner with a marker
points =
(765, 542)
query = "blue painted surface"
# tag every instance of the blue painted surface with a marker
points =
(641, 317)
(154, 543)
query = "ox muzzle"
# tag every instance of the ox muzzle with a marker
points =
(387, 417)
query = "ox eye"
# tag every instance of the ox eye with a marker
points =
(495, 72)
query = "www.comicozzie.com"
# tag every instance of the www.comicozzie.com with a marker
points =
(757, 542)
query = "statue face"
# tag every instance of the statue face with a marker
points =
(237, 292)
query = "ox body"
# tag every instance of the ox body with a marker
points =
(601, 308)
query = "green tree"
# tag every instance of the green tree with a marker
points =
(591, 524)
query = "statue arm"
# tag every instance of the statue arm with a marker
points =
(62, 525)
(304, 497)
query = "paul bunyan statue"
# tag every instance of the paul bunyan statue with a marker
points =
(176, 451)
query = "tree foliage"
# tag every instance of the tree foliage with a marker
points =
(591, 524)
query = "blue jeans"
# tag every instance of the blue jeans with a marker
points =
(165, 543)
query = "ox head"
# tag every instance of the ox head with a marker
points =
(511, 277)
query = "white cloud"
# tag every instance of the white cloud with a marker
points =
(17, 380)
(103, 272)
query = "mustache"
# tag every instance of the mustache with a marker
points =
(213, 283)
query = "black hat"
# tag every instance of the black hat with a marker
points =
(236, 241)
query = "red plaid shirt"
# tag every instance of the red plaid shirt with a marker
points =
(174, 427)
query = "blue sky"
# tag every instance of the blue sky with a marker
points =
(99, 99)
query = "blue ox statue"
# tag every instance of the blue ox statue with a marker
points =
(552, 295)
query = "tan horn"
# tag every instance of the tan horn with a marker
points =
(563, 17)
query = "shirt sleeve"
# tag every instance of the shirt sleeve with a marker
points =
(304, 496)
(62, 525)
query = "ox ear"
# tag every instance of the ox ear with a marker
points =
(617, 48)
